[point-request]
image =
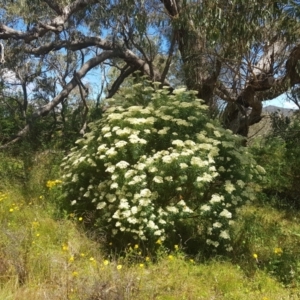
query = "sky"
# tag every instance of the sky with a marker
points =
(281, 101)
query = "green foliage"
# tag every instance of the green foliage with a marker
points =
(268, 239)
(279, 153)
(11, 170)
(148, 174)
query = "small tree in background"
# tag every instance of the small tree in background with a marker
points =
(279, 153)
(148, 173)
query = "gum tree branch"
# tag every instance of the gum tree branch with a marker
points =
(169, 59)
(2, 59)
(125, 72)
(44, 110)
(40, 29)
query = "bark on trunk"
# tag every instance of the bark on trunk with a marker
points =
(200, 75)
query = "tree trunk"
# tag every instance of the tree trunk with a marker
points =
(202, 71)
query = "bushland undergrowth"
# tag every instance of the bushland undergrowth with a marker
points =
(48, 252)
(46, 255)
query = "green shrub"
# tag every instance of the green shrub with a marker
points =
(279, 154)
(149, 174)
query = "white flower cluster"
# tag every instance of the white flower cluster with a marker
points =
(144, 169)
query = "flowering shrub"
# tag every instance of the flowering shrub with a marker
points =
(144, 170)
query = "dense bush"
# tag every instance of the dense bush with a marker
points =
(147, 173)
(279, 153)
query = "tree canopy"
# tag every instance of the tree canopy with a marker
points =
(237, 52)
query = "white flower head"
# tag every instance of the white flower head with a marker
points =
(144, 201)
(217, 225)
(213, 243)
(217, 133)
(209, 125)
(134, 210)
(120, 144)
(114, 185)
(111, 152)
(186, 209)
(145, 193)
(181, 203)
(179, 91)
(178, 143)
(132, 220)
(205, 207)
(101, 205)
(158, 179)
(124, 204)
(221, 169)
(108, 134)
(225, 235)
(225, 213)
(229, 187)
(110, 169)
(183, 165)
(163, 131)
(111, 198)
(167, 159)
(129, 173)
(153, 169)
(151, 225)
(215, 198)
(141, 166)
(122, 164)
(204, 178)
(172, 209)
(260, 169)
(240, 183)
(158, 232)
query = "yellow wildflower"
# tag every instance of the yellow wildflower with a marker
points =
(255, 255)
(51, 183)
(35, 224)
(278, 251)
(65, 248)
(105, 262)
(119, 267)
(141, 265)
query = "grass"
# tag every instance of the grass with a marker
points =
(45, 255)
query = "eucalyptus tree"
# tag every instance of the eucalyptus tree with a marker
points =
(235, 52)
